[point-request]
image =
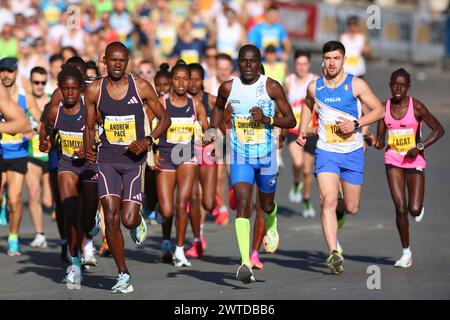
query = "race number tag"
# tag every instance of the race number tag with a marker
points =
(353, 61)
(120, 130)
(181, 130)
(249, 131)
(12, 139)
(70, 141)
(334, 135)
(35, 148)
(401, 140)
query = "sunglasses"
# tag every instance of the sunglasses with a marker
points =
(42, 83)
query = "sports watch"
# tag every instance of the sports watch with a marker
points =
(356, 124)
(149, 139)
(420, 146)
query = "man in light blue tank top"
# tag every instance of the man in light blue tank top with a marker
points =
(340, 149)
(252, 97)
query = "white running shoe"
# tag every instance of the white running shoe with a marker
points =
(420, 217)
(308, 211)
(89, 260)
(74, 277)
(295, 194)
(180, 260)
(40, 241)
(404, 262)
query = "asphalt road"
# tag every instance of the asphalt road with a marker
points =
(297, 270)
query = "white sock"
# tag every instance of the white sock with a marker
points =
(196, 239)
(88, 247)
(201, 229)
(338, 245)
(179, 253)
(407, 252)
(223, 208)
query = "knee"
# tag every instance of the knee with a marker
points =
(415, 210)
(330, 201)
(14, 203)
(243, 208)
(181, 207)
(352, 208)
(267, 206)
(401, 209)
(208, 204)
(166, 210)
(34, 196)
(129, 223)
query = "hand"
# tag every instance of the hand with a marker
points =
(346, 126)
(370, 139)
(45, 145)
(138, 146)
(301, 140)
(91, 154)
(412, 153)
(258, 115)
(209, 136)
(79, 152)
(281, 139)
(156, 162)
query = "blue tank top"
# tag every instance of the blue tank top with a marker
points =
(123, 122)
(16, 146)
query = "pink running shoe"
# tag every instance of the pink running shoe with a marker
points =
(223, 217)
(254, 260)
(196, 251)
(215, 211)
(204, 244)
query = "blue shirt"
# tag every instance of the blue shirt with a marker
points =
(262, 35)
(191, 52)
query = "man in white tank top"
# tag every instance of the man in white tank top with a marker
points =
(339, 154)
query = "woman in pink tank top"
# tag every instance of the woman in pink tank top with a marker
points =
(404, 156)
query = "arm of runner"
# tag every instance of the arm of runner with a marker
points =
(277, 94)
(378, 141)
(201, 115)
(16, 121)
(217, 112)
(437, 131)
(307, 111)
(90, 100)
(375, 110)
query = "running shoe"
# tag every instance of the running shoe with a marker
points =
(223, 217)
(123, 284)
(232, 201)
(74, 278)
(404, 262)
(245, 274)
(204, 244)
(89, 260)
(152, 218)
(272, 238)
(340, 216)
(96, 228)
(334, 262)
(295, 194)
(13, 248)
(166, 252)
(104, 249)
(195, 251)
(181, 261)
(420, 217)
(215, 211)
(68, 270)
(139, 234)
(308, 210)
(40, 241)
(256, 263)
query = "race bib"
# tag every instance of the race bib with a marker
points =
(190, 56)
(70, 141)
(334, 135)
(401, 140)
(198, 132)
(120, 130)
(12, 139)
(298, 115)
(35, 148)
(353, 61)
(181, 131)
(249, 131)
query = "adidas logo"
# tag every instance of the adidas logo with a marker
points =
(133, 100)
(137, 197)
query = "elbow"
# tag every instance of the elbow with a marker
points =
(382, 114)
(292, 123)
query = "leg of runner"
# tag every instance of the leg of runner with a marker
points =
(60, 220)
(104, 248)
(70, 200)
(15, 186)
(47, 198)
(259, 230)
(90, 219)
(195, 216)
(223, 214)
(151, 197)
(186, 174)
(297, 155)
(33, 182)
(308, 168)
(166, 181)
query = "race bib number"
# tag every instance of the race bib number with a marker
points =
(353, 61)
(249, 131)
(120, 130)
(334, 135)
(12, 139)
(181, 131)
(70, 141)
(401, 140)
(35, 148)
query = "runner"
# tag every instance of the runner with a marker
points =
(15, 153)
(302, 158)
(119, 102)
(404, 156)
(178, 166)
(77, 179)
(253, 156)
(204, 193)
(339, 153)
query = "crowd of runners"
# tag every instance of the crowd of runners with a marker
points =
(108, 148)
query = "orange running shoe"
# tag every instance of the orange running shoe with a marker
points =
(222, 217)
(195, 251)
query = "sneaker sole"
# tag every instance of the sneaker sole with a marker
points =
(245, 275)
(130, 289)
(267, 249)
(336, 266)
